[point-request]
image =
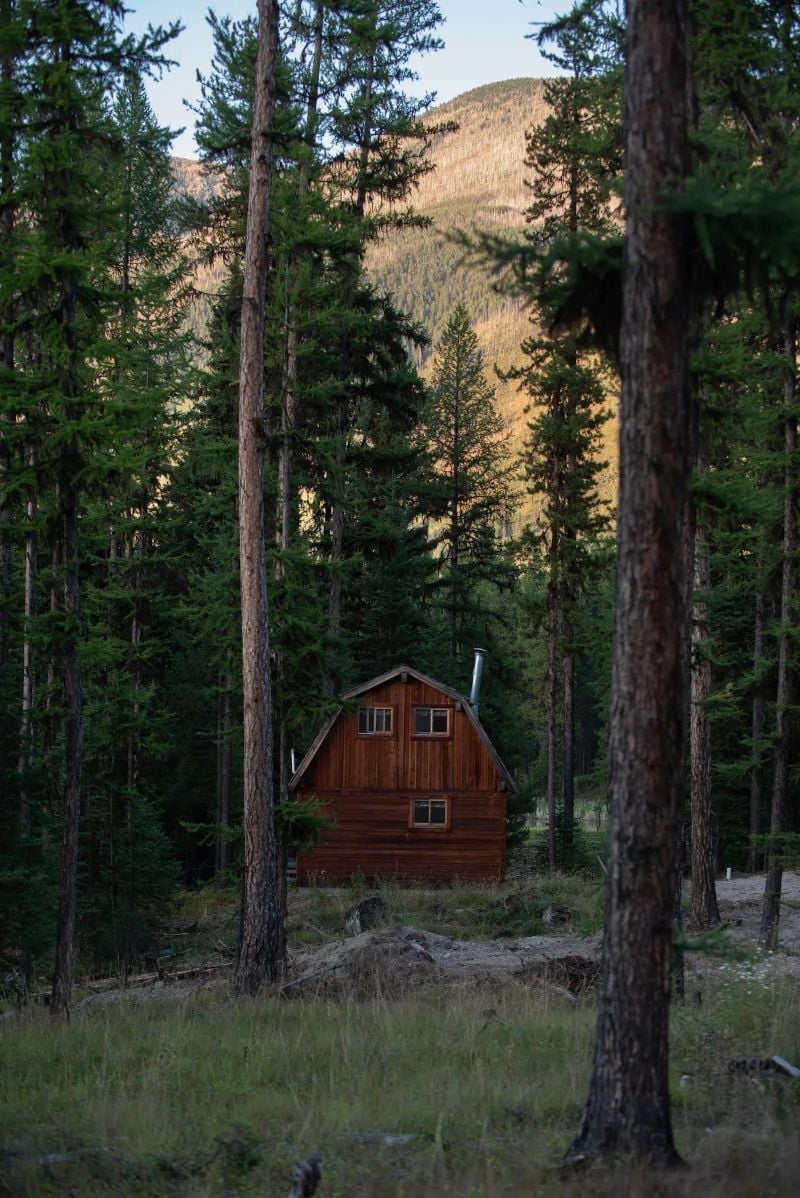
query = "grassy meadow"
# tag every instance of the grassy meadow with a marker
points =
(201, 1095)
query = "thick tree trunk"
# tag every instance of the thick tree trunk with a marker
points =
(755, 855)
(705, 912)
(772, 890)
(627, 1109)
(261, 955)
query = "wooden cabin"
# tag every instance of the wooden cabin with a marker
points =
(413, 782)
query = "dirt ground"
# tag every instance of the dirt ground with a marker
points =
(740, 908)
(392, 960)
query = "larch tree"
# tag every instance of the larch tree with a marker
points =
(627, 1110)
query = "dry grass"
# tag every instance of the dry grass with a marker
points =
(207, 1096)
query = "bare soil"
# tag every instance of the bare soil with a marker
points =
(395, 960)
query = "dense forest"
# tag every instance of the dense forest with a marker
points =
(389, 500)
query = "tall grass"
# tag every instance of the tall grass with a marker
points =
(202, 1096)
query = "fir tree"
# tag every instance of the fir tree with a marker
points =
(473, 475)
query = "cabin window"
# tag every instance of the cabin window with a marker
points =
(431, 721)
(430, 813)
(374, 721)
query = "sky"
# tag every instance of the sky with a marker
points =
(485, 41)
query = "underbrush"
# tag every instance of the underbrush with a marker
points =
(206, 1095)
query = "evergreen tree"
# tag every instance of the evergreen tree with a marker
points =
(73, 55)
(575, 157)
(473, 475)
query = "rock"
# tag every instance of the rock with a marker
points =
(555, 914)
(365, 915)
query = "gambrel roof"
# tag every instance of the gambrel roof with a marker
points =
(355, 691)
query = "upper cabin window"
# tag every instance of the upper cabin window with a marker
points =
(431, 721)
(374, 721)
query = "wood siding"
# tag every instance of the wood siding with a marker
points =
(401, 761)
(369, 782)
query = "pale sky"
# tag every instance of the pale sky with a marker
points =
(485, 42)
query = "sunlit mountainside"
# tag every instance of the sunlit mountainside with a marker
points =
(479, 183)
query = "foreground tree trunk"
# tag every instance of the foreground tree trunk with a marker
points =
(627, 1110)
(261, 953)
(772, 890)
(705, 912)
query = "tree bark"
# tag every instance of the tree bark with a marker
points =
(770, 914)
(72, 693)
(627, 1110)
(289, 380)
(568, 782)
(755, 855)
(705, 912)
(226, 777)
(552, 702)
(8, 217)
(61, 997)
(261, 956)
(26, 717)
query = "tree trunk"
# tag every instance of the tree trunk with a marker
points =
(755, 855)
(26, 717)
(261, 955)
(61, 997)
(8, 217)
(552, 705)
(222, 855)
(568, 781)
(455, 509)
(705, 912)
(770, 914)
(289, 380)
(627, 1110)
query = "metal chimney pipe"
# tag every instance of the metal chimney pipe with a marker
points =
(477, 674)
(294, 763)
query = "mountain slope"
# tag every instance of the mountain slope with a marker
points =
(478, 184)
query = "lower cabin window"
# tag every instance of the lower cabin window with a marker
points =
(430, 813)
(431, 721)
(374, 720)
